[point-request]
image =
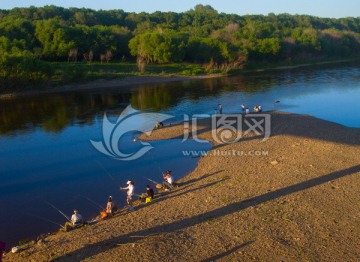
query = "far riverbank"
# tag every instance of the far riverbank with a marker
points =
(132, 80)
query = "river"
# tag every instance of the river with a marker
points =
(47, 158)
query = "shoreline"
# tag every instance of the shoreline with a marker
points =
(257, 208)
(105, 85)
(309, 64)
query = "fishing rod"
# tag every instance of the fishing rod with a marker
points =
(161, 171)
(107, 172)
(45, 219)
(93, 202)
(153, 181)
(59, 211)
(156, 163)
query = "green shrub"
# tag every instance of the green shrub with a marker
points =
(23, 71)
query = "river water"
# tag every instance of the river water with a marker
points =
(46, 154)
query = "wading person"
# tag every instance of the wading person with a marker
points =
(220, 109)
(130, 193)
(76, 220)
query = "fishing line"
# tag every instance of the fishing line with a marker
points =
(58, 211)
(157, 164)
(44, 218)
(107, 172)
(93, 202)
(153, 181)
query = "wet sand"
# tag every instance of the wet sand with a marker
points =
(296, 200)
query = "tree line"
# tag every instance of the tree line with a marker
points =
(200, 35)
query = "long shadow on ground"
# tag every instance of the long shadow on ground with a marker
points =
(89, 251)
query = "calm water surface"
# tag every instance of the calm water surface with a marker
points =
(46, 154)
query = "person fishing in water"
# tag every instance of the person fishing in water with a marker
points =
(76, 221)
(130, 193)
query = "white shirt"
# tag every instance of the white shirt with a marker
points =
(170, 180)
(76, 218)
(131, 190)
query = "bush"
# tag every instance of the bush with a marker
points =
(23, 71)
(73, 74)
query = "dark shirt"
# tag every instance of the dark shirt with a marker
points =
(150, 192)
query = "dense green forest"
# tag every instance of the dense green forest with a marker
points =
(34, 40)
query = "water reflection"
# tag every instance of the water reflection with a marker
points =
(54, 112)
(45, 150)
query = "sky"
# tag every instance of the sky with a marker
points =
(320, 8)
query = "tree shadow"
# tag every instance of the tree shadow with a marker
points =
(222, 255)
(200, 178)
(307, 126)
(283, 123)
(108, 244)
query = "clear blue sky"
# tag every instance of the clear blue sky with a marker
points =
(321, 8)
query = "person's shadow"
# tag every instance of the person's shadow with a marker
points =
(103, 246)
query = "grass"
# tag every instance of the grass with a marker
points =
(225, 200)
(270, 65)
(65, 72)
(69, 72)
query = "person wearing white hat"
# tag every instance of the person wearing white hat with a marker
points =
(130, 193)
